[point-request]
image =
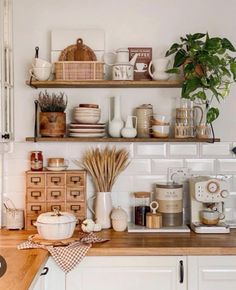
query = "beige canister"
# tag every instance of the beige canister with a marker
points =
(144, 114)
(170, 199)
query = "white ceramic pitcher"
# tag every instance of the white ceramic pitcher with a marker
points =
(159, 67)
(103, 209)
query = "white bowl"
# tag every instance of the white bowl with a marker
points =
(87, 119)
(160, 131)
(160, 119)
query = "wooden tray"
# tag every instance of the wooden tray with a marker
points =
(56, 243)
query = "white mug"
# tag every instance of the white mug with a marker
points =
(39, 62)
(158, 66)
(40, 73)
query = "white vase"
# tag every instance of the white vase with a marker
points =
(103, 209)
(116, 124)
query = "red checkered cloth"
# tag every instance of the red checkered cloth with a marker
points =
(70, 256)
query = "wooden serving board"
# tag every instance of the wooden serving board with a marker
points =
(39, 240)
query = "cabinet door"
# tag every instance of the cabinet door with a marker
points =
(132, 273)
(212, 273)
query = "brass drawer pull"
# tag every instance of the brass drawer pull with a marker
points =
(35, 194)
(57, 207)
(75, 207)
(55, 194)
(36, 208)
(75, 179)
(35, 180)
(75, 193)
(55, 180)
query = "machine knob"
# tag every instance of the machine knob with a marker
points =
(224, 193)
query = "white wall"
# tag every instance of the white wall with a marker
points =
(156, 23)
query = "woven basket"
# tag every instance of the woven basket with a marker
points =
(79, 70)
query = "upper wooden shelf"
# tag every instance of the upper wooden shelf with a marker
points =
(109, 139)
(105, 84)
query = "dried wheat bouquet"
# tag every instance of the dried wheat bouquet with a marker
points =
(105, 165)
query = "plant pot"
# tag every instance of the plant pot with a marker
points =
(52, 124)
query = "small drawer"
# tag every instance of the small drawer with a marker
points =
(35, 180)
(51, 206)
(75, 194)
(55, 194)
(35, 195)
(57, 179)
(35, 208)
(30, 220)
(75, 179)
(77, 208)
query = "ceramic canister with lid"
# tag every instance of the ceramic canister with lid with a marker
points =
(170, 199)
(144, 114)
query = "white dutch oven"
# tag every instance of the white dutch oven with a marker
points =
(56, 225)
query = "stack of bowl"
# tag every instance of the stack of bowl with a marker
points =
(86, 118)
(160, 126)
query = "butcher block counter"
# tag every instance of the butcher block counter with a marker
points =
(23, 265)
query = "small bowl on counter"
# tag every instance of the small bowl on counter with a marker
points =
(160, 131)
(56, 225)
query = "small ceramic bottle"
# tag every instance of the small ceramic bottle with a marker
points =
(116, 124)
(130, 130)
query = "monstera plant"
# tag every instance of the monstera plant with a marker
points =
(209, 68)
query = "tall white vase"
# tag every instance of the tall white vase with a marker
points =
(116, 124)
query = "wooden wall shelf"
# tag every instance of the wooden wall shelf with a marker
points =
(106, 84)
(108, 139)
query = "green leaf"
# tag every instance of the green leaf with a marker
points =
(227, 44)
(189, 69)
(225, 71)
(174, 47)
(201, 95)
(189, 86)
(198, 35)
(174, 70)
(180, 58)
(213, 44)
(214, 91)
(233, 69)
(212, 114)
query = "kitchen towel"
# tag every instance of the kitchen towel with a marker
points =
(67, 257)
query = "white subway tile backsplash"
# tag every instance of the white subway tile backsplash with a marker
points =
(217, 149)
(160, 166)
(138, 166)
(147, 182)
(150, 150)
(226, 166)
(123, 183)
(183, 150)
(201, 166)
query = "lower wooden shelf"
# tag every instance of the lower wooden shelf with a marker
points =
(108, 139)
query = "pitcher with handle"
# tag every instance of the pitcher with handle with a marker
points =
(103, 208)
(159, 67)
(130, 129)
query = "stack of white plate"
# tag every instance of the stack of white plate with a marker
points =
(87, 130)
(85, 115)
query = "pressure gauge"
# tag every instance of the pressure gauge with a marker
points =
(212, 187)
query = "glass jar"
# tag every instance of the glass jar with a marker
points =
(36, 161)
(141, 207)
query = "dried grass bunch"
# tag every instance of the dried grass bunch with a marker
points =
(52, 103)
(105, 165)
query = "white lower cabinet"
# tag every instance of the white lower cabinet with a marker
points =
(128, 273)
(211, 272)
(50, 278)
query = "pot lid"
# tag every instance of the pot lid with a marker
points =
(170, 185)
(56, 217)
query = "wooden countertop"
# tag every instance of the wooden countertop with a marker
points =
(23, 265)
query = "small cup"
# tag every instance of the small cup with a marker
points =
(160, 131)
(39, 62)
(211, 217)
(203, 131)
(141, 66)
(57, 162)
(40, 73)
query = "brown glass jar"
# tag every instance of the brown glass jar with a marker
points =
(141, 208)
(170, 199)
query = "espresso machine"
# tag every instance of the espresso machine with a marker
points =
(207, 196)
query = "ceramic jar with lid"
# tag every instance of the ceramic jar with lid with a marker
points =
(144, 114)
(119, 219)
